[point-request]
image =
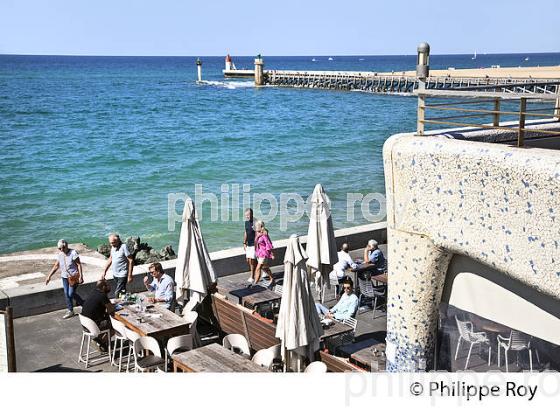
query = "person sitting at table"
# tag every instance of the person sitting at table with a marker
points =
(162, 284)
(346, 306)
(344, 262)
(98, 307)
(374, 256)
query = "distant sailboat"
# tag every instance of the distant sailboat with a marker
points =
(330, 58)
(474, 57)
(526, 58)
(313, 59)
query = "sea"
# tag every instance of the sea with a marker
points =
(94, 145)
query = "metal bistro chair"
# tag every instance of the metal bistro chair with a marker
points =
(367, 290)
(345, 338)
(178, 344)
(92, 332)
(467, 334)
(148, 362)
(237, 343)
(516, 342)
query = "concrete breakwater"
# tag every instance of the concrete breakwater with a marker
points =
(36, 298)
(528, 79)
(399, 84)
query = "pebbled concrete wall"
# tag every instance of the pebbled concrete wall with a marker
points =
(497, 204)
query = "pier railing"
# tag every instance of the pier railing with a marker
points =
(522, 112)
(401, 83)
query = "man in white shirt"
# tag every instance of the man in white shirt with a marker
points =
(344, 262)
(163, 286)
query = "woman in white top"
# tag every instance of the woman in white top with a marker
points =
(70, 266)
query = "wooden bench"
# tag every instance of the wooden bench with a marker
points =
(338, 364)
(234, 318)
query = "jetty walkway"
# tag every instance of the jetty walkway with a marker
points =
(533, 80)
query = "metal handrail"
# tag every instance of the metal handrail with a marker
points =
(485, 97)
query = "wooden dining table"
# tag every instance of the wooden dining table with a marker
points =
(157, 321)
(363, 353)
(214, 358)
(337, 328)
(251, 297)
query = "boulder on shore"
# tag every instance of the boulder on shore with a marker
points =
(104, 249)
(142, 252)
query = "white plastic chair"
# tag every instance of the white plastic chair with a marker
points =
(335, 285)
(182, 343)
(276, 351)
(316, 367)
(516, 342)
(264, 358)
(277, 362)
(148, 362)
(89, 334)
(191, 317)
(237, 343)
(120, 336)
(369, 291)
(278, 289)
(467, 334)
(132, 336)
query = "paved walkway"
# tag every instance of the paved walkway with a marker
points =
(32, 267)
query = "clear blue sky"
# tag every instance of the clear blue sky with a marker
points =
(286, 27)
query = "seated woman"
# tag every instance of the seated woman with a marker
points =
(346, 306)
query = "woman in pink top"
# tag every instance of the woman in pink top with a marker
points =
(263, 252)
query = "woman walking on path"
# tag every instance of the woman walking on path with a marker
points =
(263, 251)
(70, 266)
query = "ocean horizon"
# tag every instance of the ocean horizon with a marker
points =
(95, 144)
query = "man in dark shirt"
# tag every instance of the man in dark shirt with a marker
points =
(98, 307)
(249, 244)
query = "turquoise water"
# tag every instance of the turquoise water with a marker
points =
(91, 145)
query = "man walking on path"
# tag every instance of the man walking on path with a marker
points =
(121, 262)
(249, 244)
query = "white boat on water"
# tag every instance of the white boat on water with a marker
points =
(474, 57)
(330, 59)
(313, 59)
